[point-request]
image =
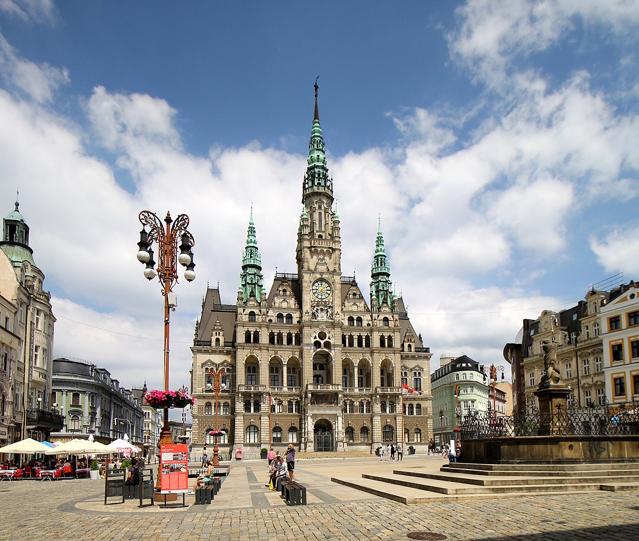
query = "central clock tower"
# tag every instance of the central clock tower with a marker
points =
(319, 246)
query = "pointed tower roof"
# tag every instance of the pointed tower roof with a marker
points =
(381, 285)
(316, 179)
(251, 279)
(15, 237)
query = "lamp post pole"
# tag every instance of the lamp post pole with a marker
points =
(217, 385)
(166, 237)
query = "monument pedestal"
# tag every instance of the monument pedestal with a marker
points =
(553, 410)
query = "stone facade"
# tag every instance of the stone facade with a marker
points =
(26, 338)
(579, 334)
(93, 402)
(311, 362)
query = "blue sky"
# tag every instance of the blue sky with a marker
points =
(497, 139)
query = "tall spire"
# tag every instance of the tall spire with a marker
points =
(316, 179)
(381, 285)
(251, 279)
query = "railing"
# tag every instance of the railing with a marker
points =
(254, 388)
(589, 421)
(323, 387)
(286, 275)
(45, 418)
(389, 390)
(357, 390)
(282, 389)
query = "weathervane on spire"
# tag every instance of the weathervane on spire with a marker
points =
(316, 87)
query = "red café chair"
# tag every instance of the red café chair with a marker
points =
(28, 472)
(58, 473)
(18, 474)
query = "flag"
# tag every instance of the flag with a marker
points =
(407, 388)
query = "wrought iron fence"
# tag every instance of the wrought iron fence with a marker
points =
(589, 421)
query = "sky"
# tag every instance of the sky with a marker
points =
(496, 139)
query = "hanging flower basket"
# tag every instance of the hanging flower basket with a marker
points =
(216, 433)
(169, 399)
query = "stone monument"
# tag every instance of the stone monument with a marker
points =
(552, 395)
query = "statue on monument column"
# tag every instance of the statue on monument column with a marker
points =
(551, 376)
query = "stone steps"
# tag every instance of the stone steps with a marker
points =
(530, 479)
(455, 488)
(542, 473)
(545, 467)
(618, 487)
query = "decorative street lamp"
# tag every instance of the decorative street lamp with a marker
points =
(166, 237)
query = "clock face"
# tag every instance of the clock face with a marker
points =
(321, 290)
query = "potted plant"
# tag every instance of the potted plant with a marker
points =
(411, 450)
(94, 470)
(263, 453)
(169, 399)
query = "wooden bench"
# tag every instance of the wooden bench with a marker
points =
(294, 493)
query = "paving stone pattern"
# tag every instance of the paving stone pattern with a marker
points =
(72, 510)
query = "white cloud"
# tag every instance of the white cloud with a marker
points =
(39, 81)
(491, 34)
(34, 11)
(618, 251)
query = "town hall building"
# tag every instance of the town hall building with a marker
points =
(311, 361)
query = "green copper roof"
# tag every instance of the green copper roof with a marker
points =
(316, 179)
(251, 279)
(17, 253)
(15, 214)
(381, 285)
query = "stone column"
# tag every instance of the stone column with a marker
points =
(284, 374)
(339, 433)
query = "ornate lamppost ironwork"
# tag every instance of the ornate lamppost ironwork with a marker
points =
(166, 236)
(217, 374)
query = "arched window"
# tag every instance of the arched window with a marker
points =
(75, 422)
(277, 435)
(350, 434)
(223, 438)
(247, 406)
(251, 374)
(256, 337)
(382, 341)
(290, 407)
(358, 321)
(289, 319)
(409, 347)
(351, 321)
(280, 318)
(418, 409)
(363, 433)
(252, 434)
(298, 339)
(289, 338)
(208, 409)
(226, 408)
(292, 435)
(256, 406)
(252, 317)
(75, 399)
(411, 409)
(362, 406)
(280, 339)
(367, 341)
(385, 322)
(360, 341)
(382, 406)
(418, 435)
(367, 406)
(271, 338)
(387, 433)
(389, 341)
(391, 406)
(351, 341)
(344, 340)
(406, 435)
(247, 337)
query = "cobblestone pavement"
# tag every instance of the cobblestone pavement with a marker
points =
(72, 510)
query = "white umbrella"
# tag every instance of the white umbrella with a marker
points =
(123, 446)
(25, 447)
(81, 447)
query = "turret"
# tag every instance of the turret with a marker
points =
(381, 285)
(251, 279)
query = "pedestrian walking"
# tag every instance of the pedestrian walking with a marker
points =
(381, 453)
(205, 458)
(400, 452)
(392, 451)
(271, 456)
(290, 461)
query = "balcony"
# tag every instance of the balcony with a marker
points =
(388, 390)
(47, 420)
(252, 388)
(357, 390)
(279, 389)
(323, 387)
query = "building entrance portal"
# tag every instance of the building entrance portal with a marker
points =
(323, 435)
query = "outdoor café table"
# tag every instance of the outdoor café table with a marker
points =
(47, 474)
(82, 472)
(7, 475)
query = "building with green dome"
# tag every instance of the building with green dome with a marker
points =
(26, 339)
(311, 360)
